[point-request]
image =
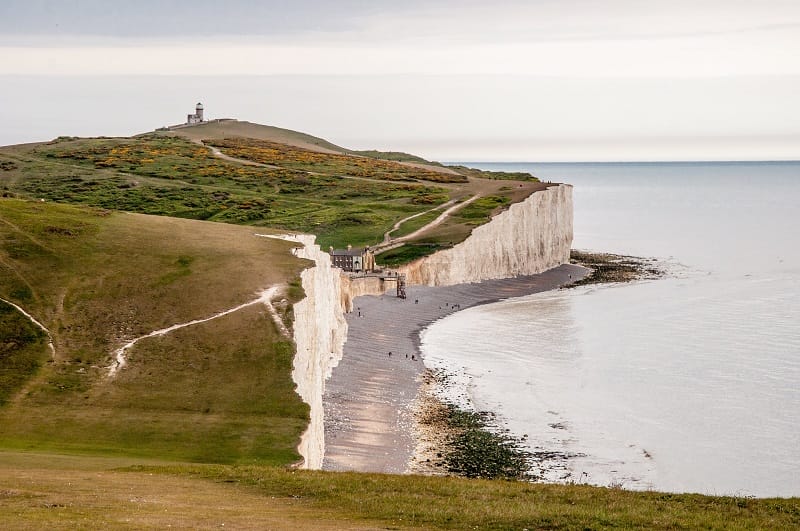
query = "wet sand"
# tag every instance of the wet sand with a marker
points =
(370, 398)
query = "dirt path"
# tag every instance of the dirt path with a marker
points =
(264, 298)
(219, 154)
(34, 321)
(388, 235)
(396, 242)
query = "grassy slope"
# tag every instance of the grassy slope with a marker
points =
(235, 128)
(38, 491)
(218, 391)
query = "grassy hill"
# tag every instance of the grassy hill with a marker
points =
(218, 391)
(222, 129)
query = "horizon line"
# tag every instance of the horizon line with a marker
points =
(695, 161)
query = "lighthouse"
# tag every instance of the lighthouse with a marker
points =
(197, 117)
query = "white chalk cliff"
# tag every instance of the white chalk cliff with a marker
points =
(319, 334)
(528, 238)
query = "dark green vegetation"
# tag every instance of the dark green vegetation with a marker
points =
(23, 349)
(481, 210)
(471, 444)
(218, 391)
(477, 451)
(612, 268)
(407, 253)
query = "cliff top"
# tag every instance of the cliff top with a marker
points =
(239, 172)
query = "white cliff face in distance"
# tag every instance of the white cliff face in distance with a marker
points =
(530, 237)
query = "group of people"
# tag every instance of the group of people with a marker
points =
(413, 356)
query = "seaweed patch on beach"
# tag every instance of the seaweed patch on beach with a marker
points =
(611, 268)
(469, 443)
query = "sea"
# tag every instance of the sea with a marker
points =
(686, 383)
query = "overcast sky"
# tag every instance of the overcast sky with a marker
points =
(531, 80)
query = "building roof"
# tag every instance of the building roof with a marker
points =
(347, 252)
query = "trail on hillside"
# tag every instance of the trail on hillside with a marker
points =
(396, 242)
(35, 322)
(388, 235)
(219, 154)
(264, 298)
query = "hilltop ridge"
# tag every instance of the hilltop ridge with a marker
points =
(231, 127)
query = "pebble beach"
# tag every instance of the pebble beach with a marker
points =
(371, 396)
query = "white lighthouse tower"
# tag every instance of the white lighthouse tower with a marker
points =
(197, 117)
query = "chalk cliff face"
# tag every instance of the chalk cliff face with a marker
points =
(320, 331)
(358, 286)
(319, 334)
(530, 237)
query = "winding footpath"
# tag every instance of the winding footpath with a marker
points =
(264, 298)
(387, 236)
(391, 243)
(34, 321)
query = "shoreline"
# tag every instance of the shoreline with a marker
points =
(371, 398)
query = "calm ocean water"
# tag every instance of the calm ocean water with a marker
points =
(689, 383)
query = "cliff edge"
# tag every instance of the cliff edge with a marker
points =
(529, 238)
